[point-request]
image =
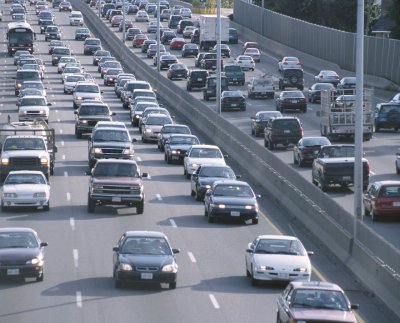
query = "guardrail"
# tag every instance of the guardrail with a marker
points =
(331, 223)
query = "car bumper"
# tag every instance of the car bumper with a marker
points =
(85, 128)
(109, 199)
(280, 276)
(96, 157)
(25, 202)
(33, 117)
(293, 106)
(153, 136)
(138, 277)
(5, 170)
(18, 271)
(234, 213)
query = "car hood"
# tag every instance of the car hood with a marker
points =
(234, 200)
(23, 153)
(210, 180)
(154, 127)
(323, 315)
(18, 255)
(117, 180)
(111, 144)
(146, 260)
(211, 161)
(94, 117)
(282, 262)
(28, 189)
(33, 107)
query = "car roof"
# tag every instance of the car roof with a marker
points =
(156, 234)
(387, 183)
(38, 172)
(114, 160)
(231, 182)
(315, 285)
(17, 229)
(205, 146)
(276, 236)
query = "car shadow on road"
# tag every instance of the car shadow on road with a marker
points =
(199, 221)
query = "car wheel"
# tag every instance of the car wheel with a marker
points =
(172, 285)
(46, 207)
(254, 221)
(40, 277)
(117, 282)
(374, 216)
(140, 207)
(366, 212)
(197, 196)
(271, 145)
(91, 205)
(210, 218)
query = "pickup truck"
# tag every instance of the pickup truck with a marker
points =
(261, 86)
(209, 61)
(235, 74)
(116, 182)
(335, 165)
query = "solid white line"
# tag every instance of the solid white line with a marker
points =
(173, 223)
(214, 301)
(63, 157)
(191, 257)
(79, 299)
(65, 174)
(72, 223)
(62, 143)
(158, 196)
(68, 197)
(76, 257)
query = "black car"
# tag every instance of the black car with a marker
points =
(307, 149)
(144, 257)
(52, 32)
(177, 71)
(88, 115)
(182, 24)
(210, 88)
(167, 60)
(110, 143)
(347, 85)
(44, 23)
(167, 36)
(174, 20)
(233, 100)
(198, 59)
(314, 92)
(196, 79)
(205, 176)
(291, 100)
(146, 44)
(291, 77)
(98, 54)
(190, 50)
(231, 199)
(82, 33)
(59, 52)
(169, 129)
(259, 121)
(91, 45)
(233, 36)
(282, 130)
(177, 146)
(21, 254)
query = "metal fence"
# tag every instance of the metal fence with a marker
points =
(381, 55)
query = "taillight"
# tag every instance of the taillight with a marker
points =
(366, 167)
(301, 132)
(324, 168)
(303, 100)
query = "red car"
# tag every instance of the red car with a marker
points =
(382, 198)
(138, 40)
(116, 20)
(128, 24)
(177, 43)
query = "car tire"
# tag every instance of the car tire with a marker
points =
(374, 216)
(40, 277)
(172, 285)
(366, 212)
(91, 205)
(210, 218)
(254, 221)
(140, 207)
(46, 207)
(117, 282)
(197, 196)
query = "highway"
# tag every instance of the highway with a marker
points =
(78, 285)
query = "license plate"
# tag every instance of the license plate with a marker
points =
(235, 79)
(286, 131)
(199, 79)
(346, 178)
(396, 203)
(295, 101)
(235, 213)
(13, 272)
(175, 157)
(116, 199)
(283, 275)
(316, 152)
(146, 276)
(234, 104)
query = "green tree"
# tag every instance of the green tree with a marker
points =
(394, 13)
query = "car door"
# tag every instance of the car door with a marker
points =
(250, 255)
(194, 180)
(284, 303)
(370, 197)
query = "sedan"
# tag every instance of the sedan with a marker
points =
(327, 76)
(128, 24)
(25, 188)
(382, 198)
(205, 176)
(177, 146)
(177, 44)
(314, 91)
(152, 27)
(177, 71)
(291, 100)
(190, 50)
(116, 20)
(168, 130)
(152, 126)
(111, 75)
(231, 199)
(314, 301)
(225, 50)
(138, 40)
(233, 100)
(274, 257)
(260, 120)
(152, 50)
(21, 254)
(82, 33)
(144, 257)
(132, 32)
(167, 36)
(70, 82)
(289, 62)
(98, 54)
(142, 15)
(167, 60)
(65, 6)
(347, 85)
(202, 154)
(245, 62)
(307, 149)
(254, 53)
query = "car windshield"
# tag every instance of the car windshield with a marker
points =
(92, 42)
(62, 51)
(145, 246)
(173, 129)
(319, 299)
(18, 240)
(74, 78)
(34, 85)
(116, 170)
(233, 190)
(92, 110)
(87, 89)
(25, 179)
(67, 59)
(205, 153)
(292, 94)
(269, 115)
(71, 70)
(392, 109)
(280, 247)
(175, 140)
(28, 75)
(157, 121)
(315, 141)
(30, 91)
(33, 101)
(223, 172)
(24, 144)
(110, 135)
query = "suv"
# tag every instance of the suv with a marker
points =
(88, 115)
(291, 77)
(387, 115)
(210, 89)
(233, 36)
(196, 79)
(25, 75)
(116, 182)
(282, 130)
(91, 45)
(76, 18)
(52, 32)
(235, 74)
(174, 20)
(32, 107)
(86, 91)
(182, 24)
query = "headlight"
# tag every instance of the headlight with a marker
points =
(96, 150)
(263, 268)
(126, 151)
(44, 161)
(301, 269)
(171, 268)
(79, 98)
(10, 194)
(125, 267)
(35, 261)
(148, 130)
(83, 121)
(5, 161)
(19, 85)
(174, 152)
(194, 165)
(39, 194)
(221, 206)
(249, 207)
(207, 186)
(137, 116)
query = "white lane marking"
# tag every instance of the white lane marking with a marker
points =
(158, 196)
(62, 143)
(68, 197)
(191, 257)
(72, 223)
(372, 173)
(58, 120)
(138, 158)
(213, 301)
(148, 176)
(76, 257)
(61, 131)
(63, 157)
(65, 174)
(79, 299)
(56, 111)
(173, 223)
(52, 95)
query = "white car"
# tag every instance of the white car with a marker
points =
(142, 15)
(109, 124)
(70, 71)
(64, 61)
(327, 76)
(70, 82)
(277, 258)
(288, 62)
(254, 53)
(36, 85)
(185, 13)
(246, 62)
(76, 18)
(86, 91)
(202, 154)
(25, 188)
(33, 107)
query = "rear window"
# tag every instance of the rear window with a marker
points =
(390, 191)
(286, 124)
(28, 75)
(390, 109)
(87, 88)
(233, 68)
(296, 72)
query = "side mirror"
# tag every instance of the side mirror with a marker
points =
(238, 176)
(49, 104)
(354, 306)
(134, 140)
(44, 244)
(88, 172)
(116, 249)
(76, 112)
(175, 250)
(145, 175)
(310, 253)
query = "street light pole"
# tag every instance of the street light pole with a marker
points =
(158, 36)
(218, 37)
(123, 22)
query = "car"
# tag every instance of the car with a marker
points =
(387, 116)
(25, 92)
(152, 251)
(59, 52)
(18, 17)
(152, 27)
(177, 71)
(140, 39)
(33, 107)
(196, 79)
(110, 65)
(33, 67)
(55, 43)
(132, 9)
(245, 62)
(128, 25)
(65, 6)
(86, 91)
(152, 126)
(190, 50)
(188, 31)
(103, 60)
(71, 81)
(109, 124)
(132, 85)
(314, 301)
(152, 50)
(233, 99)
(151, 109)
(396, 98)
(307, 149)
(176, 43)
(277, 258)
(112, 13)
(70, 70)
(254, 53)
(168, 130)
(235, 74)
(225, 50)
(233, 36)
(151, 8)
(210, 88)
(282, 130)
(182, 24)
(167, 36)
(19, 53)
(25, 188)
(82, 33)
(185, 13)
(347, 85)
(166, 60)
(52, 32)
(327, 76)
(137, 110)
(381, 199)
(259, 121)
(314, 91)
(99, 54)
(202, 154)
(249, 44)
(120, 83)
(56, 3)
(165, 14)
(76, 18)
(195, 36)
(116, 20)
(288, 62)
(35, 85)
(91, 45)
(132, 32)
(111, 75)
(44, 23)
(146, 43)
(21, 253)
(291, 77)
(231, 199)
(63, 61)
(174, 19)
(142, 15)
(291, 100)
(88, 114)
(23, 76)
